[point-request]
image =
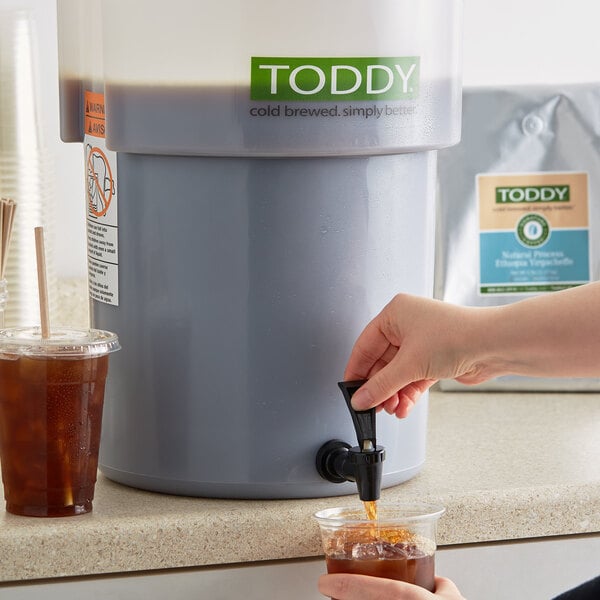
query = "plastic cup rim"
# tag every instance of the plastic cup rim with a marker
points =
(405, 512)
(64, 342)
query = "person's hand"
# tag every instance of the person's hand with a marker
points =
(341, 586)
(412, 343)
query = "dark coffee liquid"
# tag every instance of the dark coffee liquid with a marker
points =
(50, 421)
(71, 110)
(401, 562)
(223, 121)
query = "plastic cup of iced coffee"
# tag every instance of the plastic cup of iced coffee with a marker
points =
(399, 544)
(51, 399)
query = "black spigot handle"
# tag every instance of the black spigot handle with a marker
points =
(364, 420)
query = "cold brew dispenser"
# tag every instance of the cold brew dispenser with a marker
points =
(260, 182)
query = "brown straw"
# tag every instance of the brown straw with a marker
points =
(42, 283)
(7, 215)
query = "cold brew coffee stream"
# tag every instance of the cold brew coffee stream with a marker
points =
(371, 509)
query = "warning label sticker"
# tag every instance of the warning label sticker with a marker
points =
(93, 116)
(101, 192)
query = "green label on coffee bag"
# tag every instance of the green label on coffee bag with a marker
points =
(334, 79)
(533, 193)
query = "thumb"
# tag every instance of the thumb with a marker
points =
(382, 385)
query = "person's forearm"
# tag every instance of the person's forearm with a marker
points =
(554, 335)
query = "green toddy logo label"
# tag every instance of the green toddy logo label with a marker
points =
(334, 79)
(533, 193)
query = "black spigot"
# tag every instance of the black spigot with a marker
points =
(337, 461)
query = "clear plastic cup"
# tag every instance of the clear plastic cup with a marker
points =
(51, 400)
(399, 544)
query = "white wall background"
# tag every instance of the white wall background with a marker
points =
(505, 42)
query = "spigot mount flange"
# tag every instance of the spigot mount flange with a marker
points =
(331, 457)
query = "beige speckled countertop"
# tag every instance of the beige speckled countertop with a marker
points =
(506, 465)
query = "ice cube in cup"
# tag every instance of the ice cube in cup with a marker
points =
(51, 400)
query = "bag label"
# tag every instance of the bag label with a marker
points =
(533, 232)
(289, 79)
